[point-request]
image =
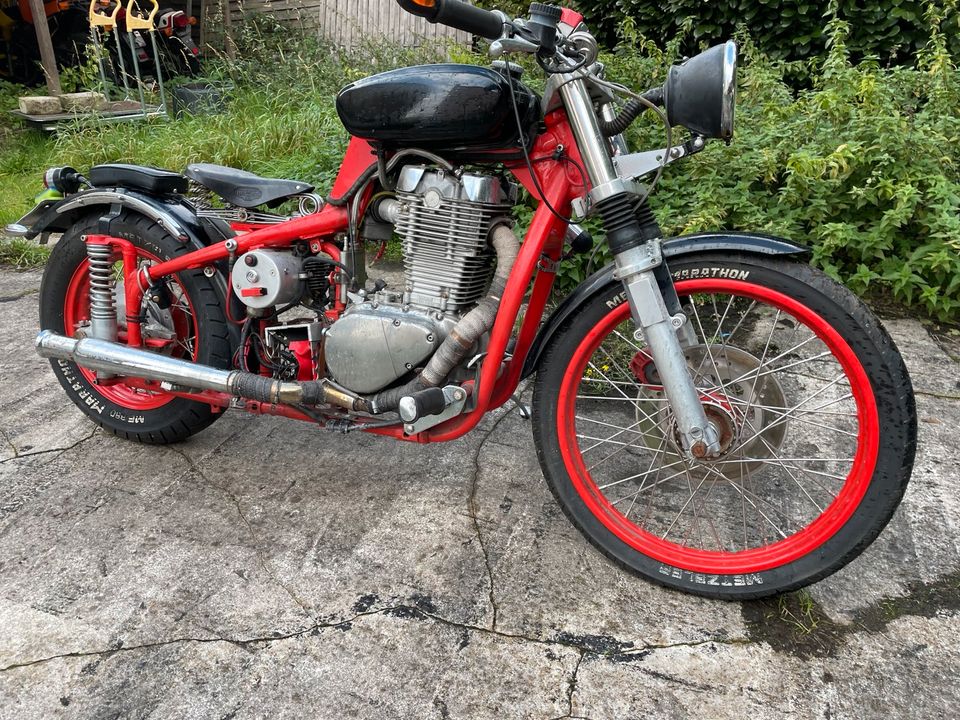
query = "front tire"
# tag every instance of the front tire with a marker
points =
(193, 328)
(817, 417)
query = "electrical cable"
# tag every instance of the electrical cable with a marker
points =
(567, 158)
(526, 157)
(616, 87)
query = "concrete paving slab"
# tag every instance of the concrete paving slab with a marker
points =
(263, 568)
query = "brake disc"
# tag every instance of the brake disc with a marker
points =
(746, 404)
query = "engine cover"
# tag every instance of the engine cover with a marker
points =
(264, 278)
(370, 347)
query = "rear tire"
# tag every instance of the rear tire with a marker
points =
(197, 318)
(820, 430)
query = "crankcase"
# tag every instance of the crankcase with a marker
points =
(370, 347)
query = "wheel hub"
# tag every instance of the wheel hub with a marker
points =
(739, 400)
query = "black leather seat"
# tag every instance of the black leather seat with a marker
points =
(138, 177)
(242, 188)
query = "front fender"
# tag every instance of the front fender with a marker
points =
(731, 242)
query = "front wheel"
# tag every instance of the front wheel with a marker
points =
(816, 415)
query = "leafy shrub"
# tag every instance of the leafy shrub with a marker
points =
(864, 167)
(784, 29)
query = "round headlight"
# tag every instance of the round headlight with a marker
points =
(700, 93)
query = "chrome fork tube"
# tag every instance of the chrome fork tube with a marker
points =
(590, 141)
(635, 266)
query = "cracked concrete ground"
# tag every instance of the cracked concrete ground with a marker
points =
(264, 569)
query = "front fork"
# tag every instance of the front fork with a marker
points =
(636, 250)
(636, 270)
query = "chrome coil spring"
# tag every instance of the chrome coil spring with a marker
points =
(103, 305)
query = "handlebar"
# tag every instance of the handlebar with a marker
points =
(459, 15)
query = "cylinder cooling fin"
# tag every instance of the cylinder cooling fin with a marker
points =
(444, 221)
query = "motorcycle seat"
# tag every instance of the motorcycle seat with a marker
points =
(244, 189)
(138, 177)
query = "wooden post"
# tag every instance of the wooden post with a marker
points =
(229, 45)
(47, 58)
(204, 19)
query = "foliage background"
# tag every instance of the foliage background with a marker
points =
(892, 31)
(863, 165)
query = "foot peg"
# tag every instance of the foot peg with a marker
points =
(426, 402)
(430, 407)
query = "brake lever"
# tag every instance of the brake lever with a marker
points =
(501, 47)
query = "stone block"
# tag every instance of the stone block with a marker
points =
(40, 105)
(82, 101)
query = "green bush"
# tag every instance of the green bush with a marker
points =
(893, 31)
(864, 167)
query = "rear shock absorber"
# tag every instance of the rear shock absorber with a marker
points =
(103, 305)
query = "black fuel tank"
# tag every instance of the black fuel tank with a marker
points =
(438, 107)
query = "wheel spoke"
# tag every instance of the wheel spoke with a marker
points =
(647, 472)
(657, 455)
(789, 420)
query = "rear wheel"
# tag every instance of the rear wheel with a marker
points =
(193, 327)
(815, 411)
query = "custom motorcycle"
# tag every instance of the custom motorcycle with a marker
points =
(710, 412)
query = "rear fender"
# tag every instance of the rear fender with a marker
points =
(173, 214)
(727, 242)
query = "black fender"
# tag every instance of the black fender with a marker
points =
(729, 242)
(173, 213)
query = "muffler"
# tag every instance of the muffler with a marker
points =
(116, 359)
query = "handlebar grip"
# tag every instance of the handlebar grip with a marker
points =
(456, 14)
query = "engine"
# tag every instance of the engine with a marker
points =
(444, 222)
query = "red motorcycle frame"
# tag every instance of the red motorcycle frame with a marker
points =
(540, 252)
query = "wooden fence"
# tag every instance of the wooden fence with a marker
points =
(345, 23)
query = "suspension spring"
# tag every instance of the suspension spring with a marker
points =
(103, 305)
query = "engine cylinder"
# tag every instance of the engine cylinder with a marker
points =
(444, 221)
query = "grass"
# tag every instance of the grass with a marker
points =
(23, 254)
(24, 155)
(280, 119)
(260, 132)
(799, 611)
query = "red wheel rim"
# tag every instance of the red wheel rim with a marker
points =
(752, 560)
(76, 309)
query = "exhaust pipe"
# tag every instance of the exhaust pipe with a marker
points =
(116, 359)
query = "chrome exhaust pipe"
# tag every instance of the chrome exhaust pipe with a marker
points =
(109, 357)
(116, 359)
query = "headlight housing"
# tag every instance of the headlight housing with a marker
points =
(701, 92)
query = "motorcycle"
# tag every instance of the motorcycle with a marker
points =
(179, 54)
(19, 52)
(711, 412)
